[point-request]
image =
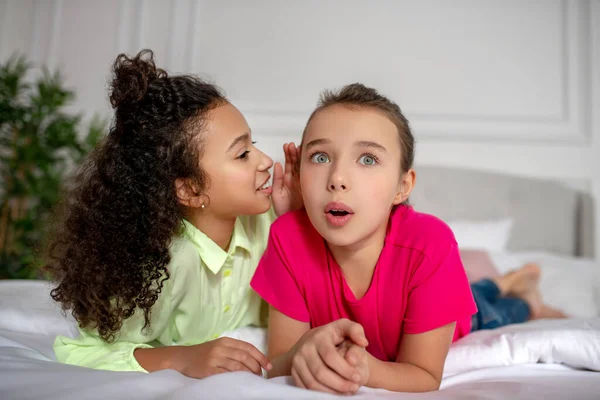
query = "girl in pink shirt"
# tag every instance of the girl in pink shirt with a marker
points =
(363, 289)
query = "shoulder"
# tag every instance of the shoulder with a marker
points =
(293, 221)
(256, 227)
(296, 240)
(295, 227)
(258, 223)
(423, 232)
(183, 253)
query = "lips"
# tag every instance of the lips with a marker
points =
(266, 187)
(338, 214)
(338, 208)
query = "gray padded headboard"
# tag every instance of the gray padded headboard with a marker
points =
(548, 215)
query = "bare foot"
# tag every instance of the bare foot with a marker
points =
(549, 312)
(533, 298)
(519, 281)
(524, 284)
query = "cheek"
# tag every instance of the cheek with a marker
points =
(228, 179)
(308, 179)
(381, 189)
(237, 173)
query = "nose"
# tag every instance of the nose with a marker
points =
(265, 162)
(337, 181)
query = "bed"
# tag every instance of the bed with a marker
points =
(540, 359)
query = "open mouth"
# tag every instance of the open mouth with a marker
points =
(266, 185)
(338, 213)
(338, 209)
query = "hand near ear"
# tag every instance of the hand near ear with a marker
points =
(286, 185)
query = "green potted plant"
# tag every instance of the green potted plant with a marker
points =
(39, 144)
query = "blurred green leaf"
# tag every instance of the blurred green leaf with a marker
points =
(39, 143)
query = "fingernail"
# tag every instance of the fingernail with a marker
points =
(269, 366)
(354, 388)
(356, 377)
(352, 360)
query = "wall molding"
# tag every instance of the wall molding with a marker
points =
(192, 31)
(3, 23)
(595, 115)
(195, 14)
(53, 42)
(35, 47)
(179, 41)
(140, 17)
(129, 35)
(571, 127)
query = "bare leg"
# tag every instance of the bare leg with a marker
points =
(550, 313)
(524, 284)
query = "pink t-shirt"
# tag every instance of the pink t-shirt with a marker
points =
(418, 284)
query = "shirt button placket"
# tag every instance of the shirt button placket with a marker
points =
(227, 282)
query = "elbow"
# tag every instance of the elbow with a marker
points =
(425, 381)
(435, 384)
(431, 383)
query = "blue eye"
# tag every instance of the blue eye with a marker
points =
(367, 160)
(319, 158)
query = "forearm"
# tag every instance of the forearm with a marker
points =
(400, 377)
(156, 359)
(282, 365)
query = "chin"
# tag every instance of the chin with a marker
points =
(262, 206)
(336, 237)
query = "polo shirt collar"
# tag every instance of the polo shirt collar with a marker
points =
(211, 254)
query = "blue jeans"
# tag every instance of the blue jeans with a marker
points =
(493, 310)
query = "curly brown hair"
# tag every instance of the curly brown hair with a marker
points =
(109, 248)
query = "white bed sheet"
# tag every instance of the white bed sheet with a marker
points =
(540, 359)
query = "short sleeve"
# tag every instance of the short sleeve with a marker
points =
(277, 282)
(439, 293)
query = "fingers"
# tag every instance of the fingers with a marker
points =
(246, 360)
(297, 379)
(335, 362)
(317, 376)
(289, 160)
(354, 353)
(295, 154)
(217, 370)
(344, 328)
(262, 360)
(232, 365)
(277, 176)
(292, 155)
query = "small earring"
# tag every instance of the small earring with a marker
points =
(202, 206)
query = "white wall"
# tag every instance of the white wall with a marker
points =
(511, 86)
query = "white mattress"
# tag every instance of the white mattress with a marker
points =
(539, 359)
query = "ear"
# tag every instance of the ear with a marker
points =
(405, 186)
(188, 193)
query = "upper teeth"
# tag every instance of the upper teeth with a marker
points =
(266, 185)
(338, 210)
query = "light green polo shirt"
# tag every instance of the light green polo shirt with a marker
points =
(208, 293)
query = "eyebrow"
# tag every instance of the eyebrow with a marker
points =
(238, 139)
(317, 142)
(373, 145)
(361, 143)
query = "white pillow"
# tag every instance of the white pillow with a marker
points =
(491, 236)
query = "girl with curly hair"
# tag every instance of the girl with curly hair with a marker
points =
(162, 227)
